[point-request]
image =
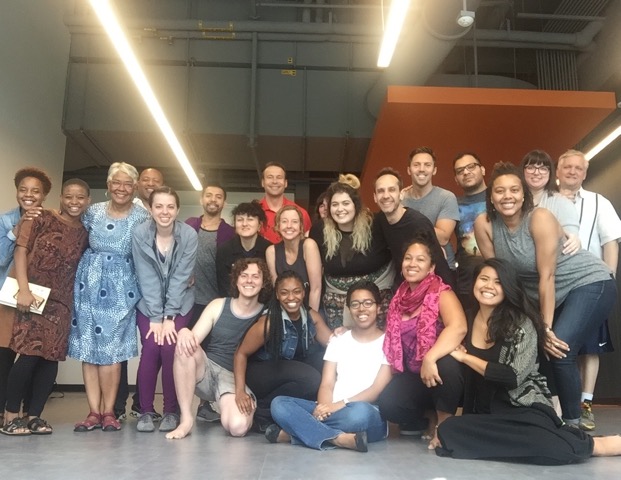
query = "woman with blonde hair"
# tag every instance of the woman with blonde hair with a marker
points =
(297, 253)
(352, 248)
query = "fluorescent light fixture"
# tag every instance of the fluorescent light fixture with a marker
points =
(611, 137)
(112, 27)
(396, 17)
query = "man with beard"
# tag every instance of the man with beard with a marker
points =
(212, 231)
(469, 176)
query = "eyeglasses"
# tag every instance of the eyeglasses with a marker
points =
(355, 305)
(470, 167)
(536, 168)
(124, 185)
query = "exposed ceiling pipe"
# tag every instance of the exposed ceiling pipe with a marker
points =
(556, 16)
(426, 40)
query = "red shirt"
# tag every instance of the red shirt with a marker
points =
(267, 230)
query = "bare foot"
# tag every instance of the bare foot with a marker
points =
(182, 431)
(283, 437)
(609, 446)
(434, 442)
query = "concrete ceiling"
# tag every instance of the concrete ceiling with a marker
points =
(249, 82)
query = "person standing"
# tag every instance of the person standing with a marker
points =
(274, 182)
(399, 224)
(469, 175)
(164, 252)
(437, 204)
(47, 253)
(103, 330)
(600, 233)
(213, 232)
(149, 179)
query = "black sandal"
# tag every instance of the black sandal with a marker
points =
(38, 426)
(13, 426)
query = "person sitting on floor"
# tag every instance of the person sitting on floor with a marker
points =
(508, 412)
(354, 374)
(285, 348)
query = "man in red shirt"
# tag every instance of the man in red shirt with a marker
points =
(274, 182)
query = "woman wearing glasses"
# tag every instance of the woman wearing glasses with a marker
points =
(540, 177)
(103, 330)
(354, 374)
(425, 323)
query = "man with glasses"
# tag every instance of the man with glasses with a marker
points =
(437, 204)
(600, 233)
(469, 176)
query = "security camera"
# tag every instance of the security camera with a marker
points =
(465, 18)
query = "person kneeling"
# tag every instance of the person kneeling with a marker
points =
(209, 373)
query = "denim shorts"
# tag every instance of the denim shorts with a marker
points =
(216, 381)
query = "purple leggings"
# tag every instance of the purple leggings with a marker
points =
(152, 358)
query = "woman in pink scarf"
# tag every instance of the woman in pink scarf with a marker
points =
(425, 323)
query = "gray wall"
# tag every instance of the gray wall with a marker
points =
(34, 49)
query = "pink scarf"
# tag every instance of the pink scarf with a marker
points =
(425, 296)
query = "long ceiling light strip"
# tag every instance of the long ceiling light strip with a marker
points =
(396, 17)
(118, 38)
(611, 137)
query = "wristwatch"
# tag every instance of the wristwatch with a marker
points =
(169, 317)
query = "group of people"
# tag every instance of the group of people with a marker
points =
(322, 332)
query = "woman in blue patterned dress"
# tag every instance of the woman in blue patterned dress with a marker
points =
(103, 330)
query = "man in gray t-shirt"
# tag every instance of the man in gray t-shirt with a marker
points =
(437, 204)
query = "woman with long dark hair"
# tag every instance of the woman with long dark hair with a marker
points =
(507, 407)
(575, 292)
(282, 353)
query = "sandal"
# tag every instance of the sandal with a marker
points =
(16, 427)
(109, 422)
(92, 421)
(38, 426)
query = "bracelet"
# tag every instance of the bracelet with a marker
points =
(548, 329)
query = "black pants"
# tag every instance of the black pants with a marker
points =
(406, 398)
(30, 370)
(272, 378)
(122, 393)
(7, 358)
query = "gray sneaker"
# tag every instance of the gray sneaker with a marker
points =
(145, 423)
(169, 422)
(206, 413)
(587, 418)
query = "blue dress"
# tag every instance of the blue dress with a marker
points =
(103, 327)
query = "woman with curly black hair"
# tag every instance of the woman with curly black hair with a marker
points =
(285, 348)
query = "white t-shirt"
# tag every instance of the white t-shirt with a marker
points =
(357, 364)
(599, 222)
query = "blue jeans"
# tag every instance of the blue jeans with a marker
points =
(583, 311)
(295, 416)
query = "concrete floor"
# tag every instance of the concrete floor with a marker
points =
(210, 454)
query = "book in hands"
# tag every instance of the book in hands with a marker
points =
(10, 289)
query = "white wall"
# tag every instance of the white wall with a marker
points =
(34, 52)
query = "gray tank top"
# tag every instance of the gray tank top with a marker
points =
(572, 271)
(226, 335)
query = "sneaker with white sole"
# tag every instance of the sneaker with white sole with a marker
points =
(587, 418)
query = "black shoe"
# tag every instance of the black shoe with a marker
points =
(206, 413)
(361, 442)
(272, 432)
(414, 429)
